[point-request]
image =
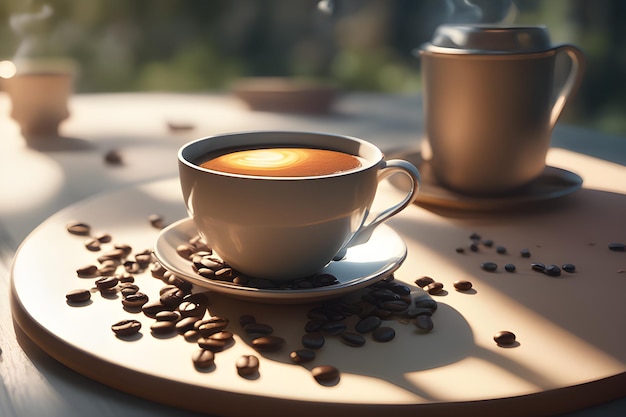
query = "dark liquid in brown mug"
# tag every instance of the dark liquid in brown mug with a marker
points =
(283, 162)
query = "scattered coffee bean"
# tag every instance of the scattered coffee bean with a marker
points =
(87, 271)
(487, 242)
(501, 250)
(167, 315)
(126, 327)
(106, 282)
(203, 358)
(434, 288)
(268, 343)
(113, 157)
(383, 334)
(136, 301)
(214, 344)
(325, 373)
(504, 337)
(314, 325)
(474, 247)
(172, 297)
(78, 228)
(569, 268)
(489, 266)
(353, 339)
(211, 325)
(156, 221)
(475, 236)
(302, 355)
(247, 365)
(537, 266)
(617, 247)
(368, 324)
(509, 268)
(190, 308)
(127, 289)
(460, 250)
(463, 285)
(258, 329)
(186, 324)
(314, 340)
(190, 335)
(78, 296)
(150, 309)
(424, 322)
(525, 253)
(163, 327)
(93, 245)
(552, 270)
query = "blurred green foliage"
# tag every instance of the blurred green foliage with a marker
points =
(195, 45)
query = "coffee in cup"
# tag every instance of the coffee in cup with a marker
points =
(288, 224)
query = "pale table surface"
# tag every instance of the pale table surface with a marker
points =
(36, 183)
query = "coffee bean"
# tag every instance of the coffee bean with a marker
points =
(434, 287)
(113, 157)
(383, 334)
(474, 247)
(424, 322)
(475, 236)
(487, 242)
(537, 266)
(509, 268)
(525, 253)
(104, 237)
(617, 247)
(368, 324)
(166, 315)
(211, 325)
(501, 250)
(353, 339)
(127, 289)
(325, 373)
(424, 281)
(78, 228)
(150, 309)
(314, 325)
(247, 365)
(552, 270)
(106, 283)
(214, 345)
(190, 308)
(172, 298)
(313, 340)
(268, 343)
(93, 245)
(569, 268)
(463, 285)
(126, 327)
(504, 337)
(191, 335)
(489, 266)
(87, 271)
(163, 327)
(203, 358)
(426, 303)
(135, 301)
(78, 296)
(158, 271)
(156, 221)
(185, 251)
(302, 355)
(186, 324)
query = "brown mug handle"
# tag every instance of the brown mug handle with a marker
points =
(572, 82)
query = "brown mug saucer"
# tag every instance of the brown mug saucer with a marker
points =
(552, 184)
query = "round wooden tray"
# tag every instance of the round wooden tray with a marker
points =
(571, 351)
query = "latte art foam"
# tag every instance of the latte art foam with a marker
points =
(284, 162)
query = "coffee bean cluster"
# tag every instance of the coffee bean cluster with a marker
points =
(476, 242)
(209, 265)
(180, 311)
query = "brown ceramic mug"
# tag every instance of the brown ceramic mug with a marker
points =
(491, 102)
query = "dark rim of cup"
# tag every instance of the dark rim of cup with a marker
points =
(190, 153)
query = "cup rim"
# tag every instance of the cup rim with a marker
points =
(190, 151)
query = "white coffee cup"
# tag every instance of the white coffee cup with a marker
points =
(283, 228)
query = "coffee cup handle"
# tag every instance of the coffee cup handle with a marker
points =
(572, 82)
(391, 167)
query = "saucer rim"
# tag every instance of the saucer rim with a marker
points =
(182, 227)
(432, 194)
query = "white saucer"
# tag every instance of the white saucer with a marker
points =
(363, 265)
(552, 184)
